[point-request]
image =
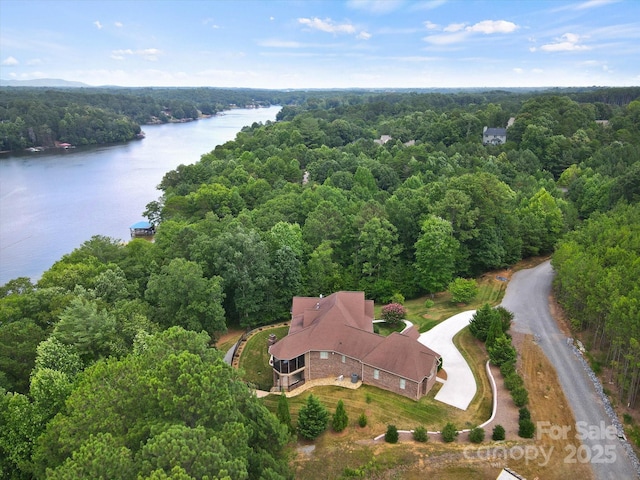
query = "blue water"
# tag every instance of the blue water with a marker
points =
(51, 202)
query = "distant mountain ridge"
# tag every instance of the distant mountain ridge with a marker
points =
(41, 82)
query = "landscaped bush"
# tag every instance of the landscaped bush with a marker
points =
(340, 419)
(520, 396)
(392, 434)
(420, 434)
(429, 303)
(513, 381)
(524, 414)
(393, 313)
(526, 428)
(476, 435)
(507, 368)
(362, 420)
(312, 418)
(449, 432)
(498, 433)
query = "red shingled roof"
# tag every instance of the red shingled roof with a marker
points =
(343, 323)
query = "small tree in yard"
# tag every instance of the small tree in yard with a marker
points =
(449, 433)
(393, 313)
(340, 418)
(283, 413)
(362, 420)
(502, 351)
(313, 418)
(476, 435)
(420, 434)
(498, 433)
(481, 322)
(526, 428)
(392, 434)
(520, 396)
(463, 290)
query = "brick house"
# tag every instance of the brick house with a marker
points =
(333, 336)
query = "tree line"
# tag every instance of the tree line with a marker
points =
(307, 205)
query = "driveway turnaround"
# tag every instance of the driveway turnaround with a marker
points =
(460, 387)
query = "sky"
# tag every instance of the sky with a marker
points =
(323, 44)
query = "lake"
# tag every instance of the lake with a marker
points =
(53, 201)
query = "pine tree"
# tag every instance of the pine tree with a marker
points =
(481, 321)
(313, 418)
(340, 418)
(283, 413)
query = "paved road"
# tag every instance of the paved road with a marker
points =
(527, 297)
(460, 387)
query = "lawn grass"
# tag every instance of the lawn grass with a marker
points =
(254, 361)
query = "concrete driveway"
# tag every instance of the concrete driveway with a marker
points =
(460, 387)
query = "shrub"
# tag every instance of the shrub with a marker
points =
(392, 434)
(507, 368)
(420, 434)
(393, 313)
(368, 398)
(463, 290)
(524, 414)
(449, 432)
(498, 433)
(481, 322)
(283, 412)
(397, 298)
(502, 351)
(429, 303)
(312, 418)
(513, 381)
(362, 420)
(628, 419)
(526, 428)
(340, 418)
(520, 396)
(476, 435)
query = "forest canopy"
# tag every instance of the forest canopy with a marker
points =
(392, 193)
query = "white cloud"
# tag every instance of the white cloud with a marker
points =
(537, 70)
(98, 24)
(454, 27)
(149, 54)
(428, 5)
(10, 61)
(518, 70)
(566, 43)
(431, 26)
(493, 26)
(459, 32)
(594, 4)
(327, 25)
(272, 18)
(118, 24)
(364, 35)
(34, 61)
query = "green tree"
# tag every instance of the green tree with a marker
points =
(362, 420)
(502, 351)
(463, 290)
(420, 434)
(313, 418)
(181, 295)
(173, 398)
(436, 254)
(476, 435)
(498, 433)
(391, 435)
(378, 247)
(340, 419)
(18, 342)
(481, 321)
(283, 413)
(449, 432)
(495, 329)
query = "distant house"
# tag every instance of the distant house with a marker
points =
(494, 136)
(142, 229)
(333, 337)
(383, 139)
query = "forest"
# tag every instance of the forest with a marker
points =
(105, 365)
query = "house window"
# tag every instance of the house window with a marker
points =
(403, 383)
(324, 355)
(376, 374)
(344, 359)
